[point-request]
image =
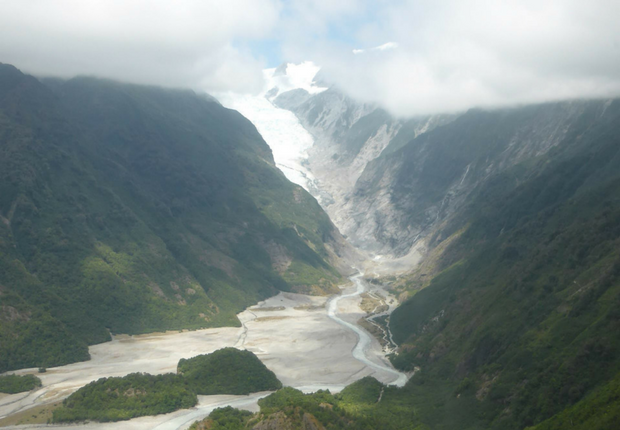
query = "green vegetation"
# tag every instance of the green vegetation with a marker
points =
(355, 408)
(12, 384)
(519, 325)
(598, 410)
(226, 418)
(296, 408)
(514, 321)
(287, 408)
(228, 371)
(136, 209)
(135, 395)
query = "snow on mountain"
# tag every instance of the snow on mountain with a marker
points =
(291, 76)
(323, 140)
(288, 139)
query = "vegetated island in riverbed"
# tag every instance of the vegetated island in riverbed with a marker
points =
(226, 371)
(11, 384)
(357, 407)
(134, 395)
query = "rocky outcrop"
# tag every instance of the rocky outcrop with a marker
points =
(406, 193)
(348, 135)
(387, 183)
(280, 421)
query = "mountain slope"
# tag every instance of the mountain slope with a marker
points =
(515, 323)
(347, 136)
(388, 182)
(137, 209)
(520, 320)
(409, 190)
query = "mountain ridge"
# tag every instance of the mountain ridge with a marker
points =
(137, 209)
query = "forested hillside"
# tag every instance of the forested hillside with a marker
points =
(135, 209)
(227, 371)
(119, 399)
(520, 320)
(412, 188)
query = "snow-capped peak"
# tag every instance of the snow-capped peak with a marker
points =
(291, 76)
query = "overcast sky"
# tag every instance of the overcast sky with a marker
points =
(412, 57)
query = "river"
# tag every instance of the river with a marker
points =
(311, 343)
(361, 349)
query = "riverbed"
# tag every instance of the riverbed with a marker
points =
(309, 342)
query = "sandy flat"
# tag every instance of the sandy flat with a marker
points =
(306, 348)
(153, 353)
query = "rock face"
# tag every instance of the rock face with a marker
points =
(531, 268)
(405, 193)
(348, 135)
(387, 183)
(279, 421)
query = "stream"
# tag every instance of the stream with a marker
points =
(307, 350)
(360, 351)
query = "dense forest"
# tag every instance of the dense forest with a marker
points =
(12, 384)
(225, 371)
(134, 395)
(359, 406)
(228, 371)
(227, 418)
(519, 323)
(134, 209)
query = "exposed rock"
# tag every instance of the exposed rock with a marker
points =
(311, 423)
(404, 194)
(277, 421)
(348, 135)
(9, 313)
(156, 289)
(280, 257)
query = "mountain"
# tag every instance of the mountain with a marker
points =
(388, 182)
(510, 319)
(518, 324)
(134, 209)
(348, 135)
(407, 192)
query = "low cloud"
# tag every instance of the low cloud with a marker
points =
(384, 47)
(453, 55)
(190, 43)
(410, 56)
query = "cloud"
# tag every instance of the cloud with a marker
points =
(428, 56)
(457, 54)
(384, 47)
(189, 43)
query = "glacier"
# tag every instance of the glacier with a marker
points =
(288, 139)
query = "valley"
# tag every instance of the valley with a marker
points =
(481, 248)
(311, 343)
